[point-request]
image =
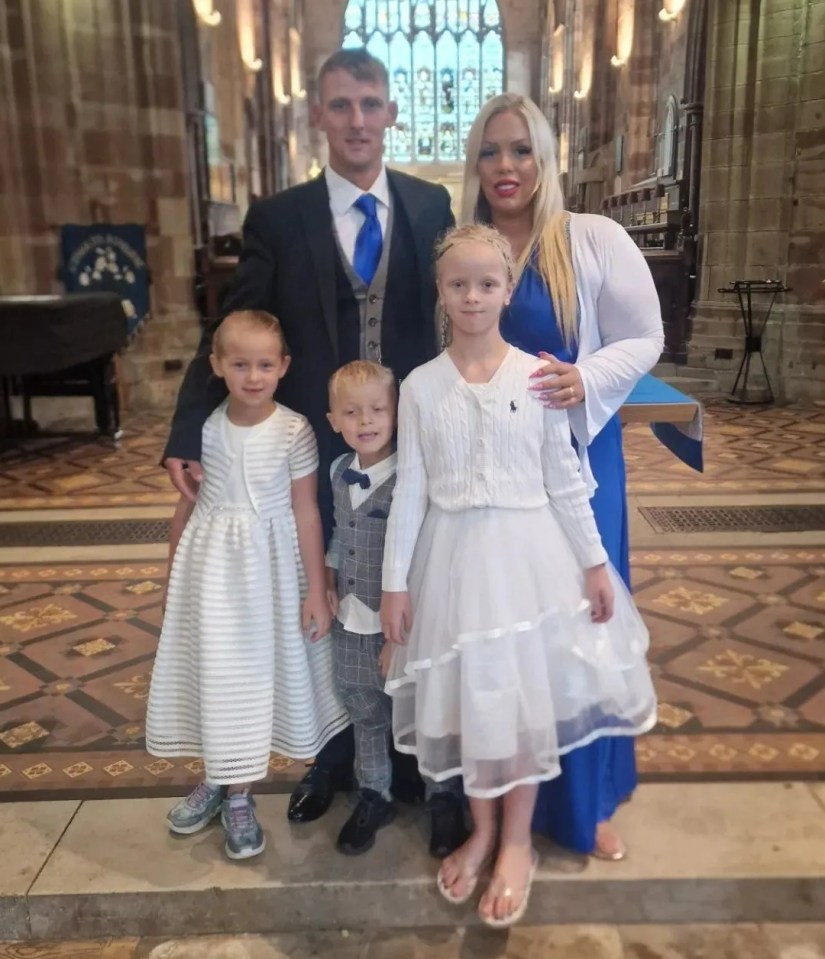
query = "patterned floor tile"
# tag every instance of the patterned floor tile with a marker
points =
(737, 635)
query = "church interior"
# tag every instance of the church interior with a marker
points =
(136, 135)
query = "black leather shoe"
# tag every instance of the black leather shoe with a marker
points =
(313, 795)
(371, 813)
(448, 828)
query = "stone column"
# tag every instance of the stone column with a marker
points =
(762, 212)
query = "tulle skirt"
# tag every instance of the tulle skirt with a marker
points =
(503, 671)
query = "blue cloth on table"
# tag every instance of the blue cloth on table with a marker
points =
(684, 440)
(596, 778)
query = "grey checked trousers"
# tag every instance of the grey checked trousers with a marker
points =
(361, 687)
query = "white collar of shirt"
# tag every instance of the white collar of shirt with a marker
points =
(342, 193)
(380, 471)
(378, 474)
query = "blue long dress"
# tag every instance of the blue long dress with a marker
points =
(596, 778)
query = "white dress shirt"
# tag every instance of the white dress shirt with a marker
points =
(354, 615)
(347, 219)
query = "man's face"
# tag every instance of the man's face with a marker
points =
(355, 115)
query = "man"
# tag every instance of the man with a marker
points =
(344, 262)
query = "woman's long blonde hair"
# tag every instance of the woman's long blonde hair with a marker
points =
(549, 234)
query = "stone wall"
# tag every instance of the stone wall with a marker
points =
(610, 134)
(763, 186)
(92, 130)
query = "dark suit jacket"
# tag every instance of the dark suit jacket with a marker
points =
(287, 267)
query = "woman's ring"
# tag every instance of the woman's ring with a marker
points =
(570, 391)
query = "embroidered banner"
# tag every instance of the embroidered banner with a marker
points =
(108, 258)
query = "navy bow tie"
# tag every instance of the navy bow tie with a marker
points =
(352, 476)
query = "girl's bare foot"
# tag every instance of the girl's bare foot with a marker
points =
(609, 844)
(458, 875)
(505, 898)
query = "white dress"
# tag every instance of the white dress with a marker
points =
(234, 676)
(490, 530)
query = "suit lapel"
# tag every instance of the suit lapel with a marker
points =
(406, 191)
(317, 220)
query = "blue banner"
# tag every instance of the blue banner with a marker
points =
(108, 258)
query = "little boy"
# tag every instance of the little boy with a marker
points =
(362, 399)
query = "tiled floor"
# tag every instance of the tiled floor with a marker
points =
(540, 942)
(737, 622)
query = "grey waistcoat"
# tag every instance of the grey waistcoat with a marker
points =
(370, 299)
(360, 533)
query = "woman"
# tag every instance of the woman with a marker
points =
(586, 303)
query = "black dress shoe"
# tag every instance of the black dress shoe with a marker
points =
(313, 795)
(371, 813)
(448, 827)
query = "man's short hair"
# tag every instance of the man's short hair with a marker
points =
(360, 64)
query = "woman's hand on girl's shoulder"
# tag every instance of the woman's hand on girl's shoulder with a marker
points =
(316, 616)
(557, 384)
(599, 592)
(396, 617)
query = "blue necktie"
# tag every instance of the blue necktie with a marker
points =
(352, 477)
(368, 242)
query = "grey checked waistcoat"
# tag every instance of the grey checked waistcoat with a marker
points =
(360, 534)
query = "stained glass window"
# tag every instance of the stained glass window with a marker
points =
(444, 57)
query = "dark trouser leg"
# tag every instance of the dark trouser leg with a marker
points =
(339, 753)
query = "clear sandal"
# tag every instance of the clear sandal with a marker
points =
(516, 916)
(470, 876)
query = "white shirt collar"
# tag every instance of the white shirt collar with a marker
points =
(342, 193)
(380, 471)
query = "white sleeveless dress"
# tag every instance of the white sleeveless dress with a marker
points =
(234, 676)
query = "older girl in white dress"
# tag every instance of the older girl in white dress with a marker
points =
(244, 665)
(497, 587)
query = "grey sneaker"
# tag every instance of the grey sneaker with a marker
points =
(244, 836)
(195, 812)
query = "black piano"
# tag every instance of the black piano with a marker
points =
(61, 346)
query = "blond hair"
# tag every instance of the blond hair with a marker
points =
(248, 319)
(477, 233)
(549, 235)
(358, 373)
(469, 233)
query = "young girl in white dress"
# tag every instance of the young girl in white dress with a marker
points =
(496, 585)
(244, 666)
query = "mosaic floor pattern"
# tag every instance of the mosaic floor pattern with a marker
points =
(738, 635)
(746, 449)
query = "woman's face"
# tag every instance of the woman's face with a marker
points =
(507, 167)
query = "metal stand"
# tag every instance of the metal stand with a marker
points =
(753, 335)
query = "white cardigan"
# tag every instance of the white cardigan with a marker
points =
(464, 447)
(620, 335)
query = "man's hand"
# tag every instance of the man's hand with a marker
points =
(186, 476)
